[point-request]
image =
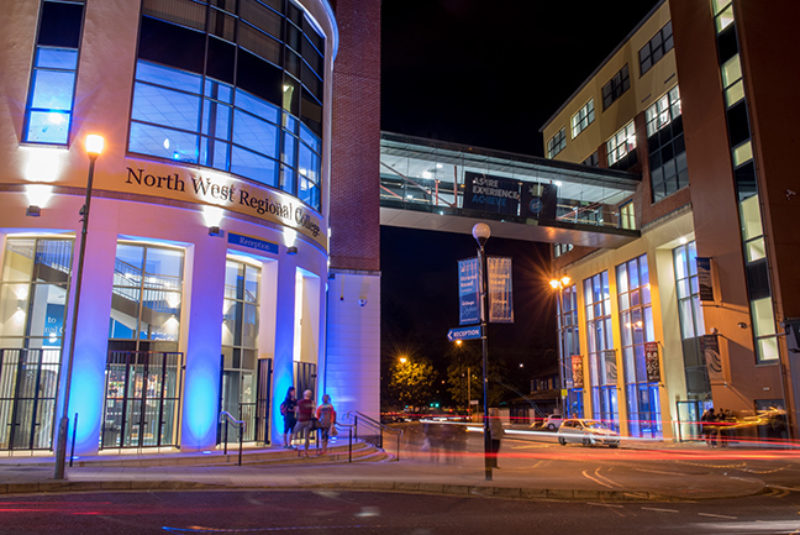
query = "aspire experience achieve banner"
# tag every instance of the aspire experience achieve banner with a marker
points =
(492, 194)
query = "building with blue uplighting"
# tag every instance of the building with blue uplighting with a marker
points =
(212, 280)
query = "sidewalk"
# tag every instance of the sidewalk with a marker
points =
(461, 476)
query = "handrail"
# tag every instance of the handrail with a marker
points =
(241, 424)
(381, 427)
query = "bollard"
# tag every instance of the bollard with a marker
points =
(74, 430)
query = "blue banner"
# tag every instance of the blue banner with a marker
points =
(469, 311)
(501, 303)
(253, 243)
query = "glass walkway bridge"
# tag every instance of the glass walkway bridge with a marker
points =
(448, 187)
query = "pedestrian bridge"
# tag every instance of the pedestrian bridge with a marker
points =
(447, 187)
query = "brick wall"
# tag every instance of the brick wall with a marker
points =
(355, 160)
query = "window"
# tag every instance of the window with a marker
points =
(48, 114)
(146, 298)
(215, 86)
(691, 320)
(723, 13)
(593, 160)
(636, 326)
(33, 296)
(621, 143)
(615, 87)
(764, 329)
(240, 322)
(732, 80)
(583, 118)
(627, 216)
(557, 143)
(568, 331)
(663, 111)
(742, 153)
(561, 248)
(656, 48)
(600, 344)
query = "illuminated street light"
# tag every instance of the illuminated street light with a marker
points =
(559, 284)
(481, 233)
(403, 359)
(94, 148)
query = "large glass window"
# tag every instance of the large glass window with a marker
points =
(49, 111)
(33, 296)
(732, 80)
(691, 320)
(236, 86)
(569, 337)
(636, 326)
(582, 119)
(621, 143)
(240, 342)
(723, 13)
(600, 343)
(557, 143)
(146, 298)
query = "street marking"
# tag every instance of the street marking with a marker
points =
(659, 510)
(599, 481)
(605, 478)
(712, 515)
(614, 505)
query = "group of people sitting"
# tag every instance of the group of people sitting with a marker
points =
(715, 424)
(302, 417)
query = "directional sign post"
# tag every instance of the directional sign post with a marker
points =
(469, 332)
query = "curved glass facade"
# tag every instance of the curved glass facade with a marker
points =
(234, 85)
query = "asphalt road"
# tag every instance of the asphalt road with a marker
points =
(323, 512)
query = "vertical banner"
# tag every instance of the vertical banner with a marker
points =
(709, 345)
(491, 194)
(577, 371)
(468, 306)
(610, 365)
(704, 281)
(651, 362)
(501, 303)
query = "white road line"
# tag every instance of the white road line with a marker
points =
(712, 515)
(596, 480)
(606, 479)
(614, 505)
(659, 510)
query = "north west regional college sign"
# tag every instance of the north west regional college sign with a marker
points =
(231, 194)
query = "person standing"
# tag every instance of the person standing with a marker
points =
(496, 433)
(289, 419)
(304, 412)
(326, 420)
(707, 427)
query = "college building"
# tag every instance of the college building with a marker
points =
(221, 261)
(698, 101)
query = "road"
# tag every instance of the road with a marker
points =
(323, 512)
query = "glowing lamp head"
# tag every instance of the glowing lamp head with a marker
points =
(554, 283)
(481, 232)
(94, 145)
(403, 360)
(565, 280)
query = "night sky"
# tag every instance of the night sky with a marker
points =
(487, 74)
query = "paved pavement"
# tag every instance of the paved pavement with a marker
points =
(570, 473)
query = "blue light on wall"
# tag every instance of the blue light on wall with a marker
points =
(202, 406)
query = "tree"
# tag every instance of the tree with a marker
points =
(411, 381)
(467, 359)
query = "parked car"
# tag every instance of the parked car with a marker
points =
(551, 423)
(587, 432)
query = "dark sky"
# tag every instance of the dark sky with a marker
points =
(491, 73)
(487, 74)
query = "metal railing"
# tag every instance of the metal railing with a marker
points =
(375, 431)
(230, 420)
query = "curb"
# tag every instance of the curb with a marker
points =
(405, 487)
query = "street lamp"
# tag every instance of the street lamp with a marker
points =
(559, 284)
(94, 148)
(481, 233)
(403, 359)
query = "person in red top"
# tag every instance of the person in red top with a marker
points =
(304, 411)
(326, 420)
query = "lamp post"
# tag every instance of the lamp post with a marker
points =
(559, 284)
(481, 233)
(94, 147)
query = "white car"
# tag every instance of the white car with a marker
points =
(587, 432)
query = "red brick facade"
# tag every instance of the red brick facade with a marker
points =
(355, 160)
